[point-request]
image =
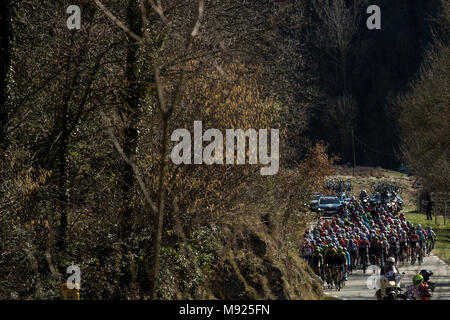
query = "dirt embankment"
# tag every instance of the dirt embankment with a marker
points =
(252, 253)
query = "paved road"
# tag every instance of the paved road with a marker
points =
(356, 286)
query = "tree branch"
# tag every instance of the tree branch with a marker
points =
(117, 21)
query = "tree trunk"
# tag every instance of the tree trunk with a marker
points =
(159, 217)
(62, 153)
(130, 113)
(62, 178)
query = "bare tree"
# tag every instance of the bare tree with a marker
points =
(423, 113)
(166, 107)
(339, 23)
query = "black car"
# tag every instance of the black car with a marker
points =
(329, 205)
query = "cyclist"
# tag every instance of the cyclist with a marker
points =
(384, 250)
(317, 262)
(307, 251)
(403, 248)
(422, 243)
(340, 260)
(402, 217)
(363, 252)
(328, 258)
(348, 263)
(393, 247)
(413, 242)
(375, 250)
(352, 248)
(431, 237)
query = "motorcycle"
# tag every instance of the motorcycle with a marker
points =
(422, 292)
(390, 288)
(413, 293)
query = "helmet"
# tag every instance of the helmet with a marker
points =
(418, 279)
(429, 272)
(391, 259)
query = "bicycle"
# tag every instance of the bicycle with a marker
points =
(402, 256)
(363, 261)
(429, 246)
(329, 278)
(337, 277)
(341, 276)
(420, 256)
(414, 254)
(318, 270)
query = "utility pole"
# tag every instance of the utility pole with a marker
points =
(354, 154)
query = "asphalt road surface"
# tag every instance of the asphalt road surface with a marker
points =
(356, 287)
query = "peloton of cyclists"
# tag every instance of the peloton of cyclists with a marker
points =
(364, 234)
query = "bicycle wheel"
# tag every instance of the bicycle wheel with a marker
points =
(413, 257)
(334, 278)
(364, 264)
(329, 280)
(337, 282)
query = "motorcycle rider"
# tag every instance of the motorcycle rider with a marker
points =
(426, 274)
(388, 273)
(421, 288)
